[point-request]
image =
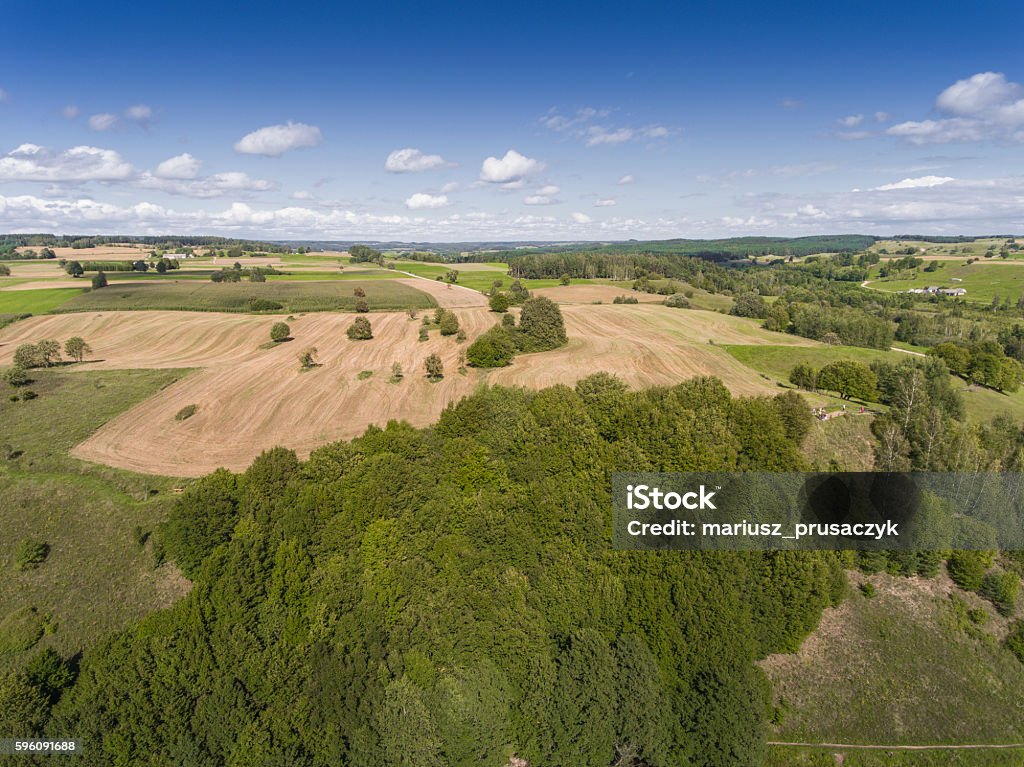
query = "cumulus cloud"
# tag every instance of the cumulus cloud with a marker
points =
(604, 203)
(411, 160)
(511, 168)
(301, 195)
(103, 121)
(422, 200)
(851, 121)
(627, 179)
(183, 166)
(548, 190)
(539, 199)
(581, 218)
(30, 162)
(922, 182)
(70, 111)
(451, 186)
(275, 140)
(985, 106)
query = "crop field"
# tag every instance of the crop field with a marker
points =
(983, 280)
(250, 397)
(15, 301)
(903, 667)
(943, 250)
(381, 295)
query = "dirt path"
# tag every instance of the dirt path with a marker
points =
(447, 295)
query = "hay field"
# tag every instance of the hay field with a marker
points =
(251, 398)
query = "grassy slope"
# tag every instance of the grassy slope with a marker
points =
(900, 669)
(846, 441)
(96, 578)
(328, 295)
(983, 280)
(783, 756)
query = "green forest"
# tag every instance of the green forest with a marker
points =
(448, 596)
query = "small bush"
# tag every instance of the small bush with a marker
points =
(625, 300)
(494, 349)
(434, 368)
(364, 374)
(360, 329)
(30, 554)
(307, 358)
(1001, 590)
(16, 376)
(967, 568)
(20, 630)
(28, 394)
(424, 335)
(499, 303)
(396, 373)
(279, 331)
(1015, 640)
(264, 305)
(186, 412)
(362, 307)
(677, 301)
(867, 588)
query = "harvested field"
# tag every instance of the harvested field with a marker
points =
(589, 294)
(250, 398)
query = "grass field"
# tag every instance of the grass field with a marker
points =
(982, 280)
(333, 295)
(96, 577)
(477, 279)
(976, 249)
(777, 361)
(903, 667)
(35, 301)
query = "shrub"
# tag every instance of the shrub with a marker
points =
(20, 630)
(307, 358)
(804, 376)
(499, 303)
(359, 293)
(1015, 640)
(494, 349)
(364, 374)
(30, 554)
(867, 588)
(362, 307)
(424, 335)
(396, 373)
(677, 301)
(16, 376)
(449, 324)
(508, 321)
(565, 279)
(279, 331)
(1001, 589)
(264, 305)
(186, 412)
(99, 280)
(28, 394)
(434, 368)
(360, 329)
(541, 325)
(967, 568)
(460, 336)
(27, 356)
(625, 300)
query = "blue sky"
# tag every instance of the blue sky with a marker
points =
(427, 121)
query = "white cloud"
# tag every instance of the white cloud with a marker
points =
(978, 93)
(598, 135)
(923, 182)
(539, 199)
(627, 179)
(881, 117)
(851, 121)
(451, 186)
(301, 195)
(811, 211)
(581, 218)
(30, 162)
(217, 185)
(103, 121)
(985, 106)
(511, 168)
(548, 190)
(422, 200)
(71, 111)
(582, 125)
(139, 113)
(275, 140)
(604, 203)
(411, 160)
(183, 166)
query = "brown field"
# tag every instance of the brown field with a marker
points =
(251, 398)
(589, 294)
(101, 253)
(449, 296)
